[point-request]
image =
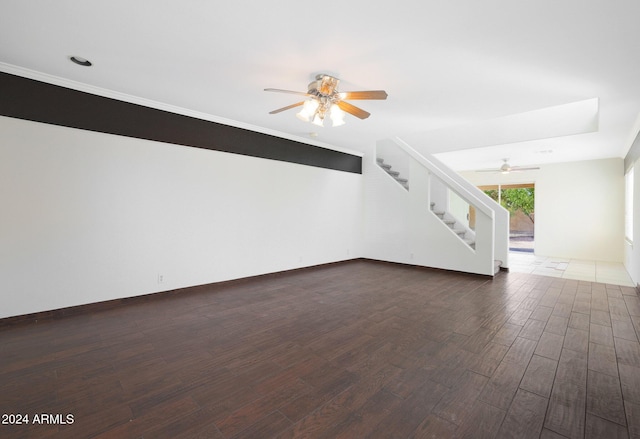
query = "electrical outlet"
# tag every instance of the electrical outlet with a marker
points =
(160, 278)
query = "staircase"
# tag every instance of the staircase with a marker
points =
(394, 174)
(451, 223)
(463, 233)
(445, 217)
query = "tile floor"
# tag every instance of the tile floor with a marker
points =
(593, 271)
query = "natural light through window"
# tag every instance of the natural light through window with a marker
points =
(628, 205)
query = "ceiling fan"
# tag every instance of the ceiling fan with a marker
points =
(324, 100)
(506, 168)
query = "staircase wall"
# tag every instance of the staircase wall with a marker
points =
(399, 226)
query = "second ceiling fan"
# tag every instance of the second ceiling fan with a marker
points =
(506, 168)
(326, 100)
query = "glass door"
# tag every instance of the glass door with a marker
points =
(519, 200)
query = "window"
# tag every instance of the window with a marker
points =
(628, 205)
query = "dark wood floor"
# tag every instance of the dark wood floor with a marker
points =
(353, 350)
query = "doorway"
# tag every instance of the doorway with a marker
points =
(519, 200)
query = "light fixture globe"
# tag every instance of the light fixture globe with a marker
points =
(336, 115)
(309, 109)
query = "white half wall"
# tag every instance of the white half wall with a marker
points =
(88, 217)
(579, 207)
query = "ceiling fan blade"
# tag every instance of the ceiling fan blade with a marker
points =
(522, 168)
(488, 170)
(288, 107)
(277, 90)
(352, 109)
(369, 94)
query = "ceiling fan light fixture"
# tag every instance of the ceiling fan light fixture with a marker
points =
(326, 100)
(317, 120)
(302, 115)
(309, 109)
(336, 115)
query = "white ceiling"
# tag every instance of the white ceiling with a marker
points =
(443, 64)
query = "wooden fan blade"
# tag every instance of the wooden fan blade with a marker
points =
(277, 90)
(288, 107)
(352, 109)
(369, 94)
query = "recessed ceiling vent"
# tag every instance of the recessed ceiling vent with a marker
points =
(80, 61)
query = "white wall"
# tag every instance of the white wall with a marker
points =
(632, 250)
(88, 217)
(579, 207)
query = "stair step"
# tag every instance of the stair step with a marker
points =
(433, 203)
(470, 242)
(395, 174)
(449, 222)
(460, 232)
(440, 213)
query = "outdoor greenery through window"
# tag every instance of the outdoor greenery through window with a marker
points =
(519, 200)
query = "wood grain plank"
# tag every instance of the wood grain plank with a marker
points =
(600, 317)
(539, 376)
(550, 345)
(602, 358)
(630, 382)
(502, 386)
(633, 305)
(365, 421)
(576, 340)
(520, 351)
(532, 329)
(598, 428)
(406, 417)
(600, 334)
(557, 325)
(633, 419)
(270, 425)
(567, 403)
(627, 352)
(623, 328)
(433, 427)
(525, 417)
(579, 321)
(507, 334)
(483, 421)
(541, 313)
(487, 361)
(604, 398)
(458, 401)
